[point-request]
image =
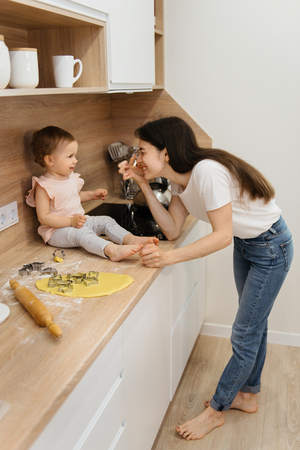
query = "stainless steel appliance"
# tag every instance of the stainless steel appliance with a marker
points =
(137, 223)
(119, 152)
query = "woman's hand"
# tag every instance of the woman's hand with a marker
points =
(153, 256)
(99, 194)
(77, 221)
(129, 170)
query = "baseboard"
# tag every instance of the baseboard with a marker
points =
(274, 337)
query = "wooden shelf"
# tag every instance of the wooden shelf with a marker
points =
(159, 14)
(51, 91)
(54, 31)
(159, 44)
(31, 14)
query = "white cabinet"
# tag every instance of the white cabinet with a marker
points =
(96, 9)
(93, 416)
(98, 5)
(130, 41)
(187, 305)
(147, 363)
(121, 401)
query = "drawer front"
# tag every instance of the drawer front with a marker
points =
(105, 426)
(184, 336)
(184, 278)
(121, 442)
(68, 424)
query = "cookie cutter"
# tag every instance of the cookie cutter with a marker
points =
(90, 280)
(49, 270)
(76, 278)
(28, 268)
(25, 271)
(62, 253)
(64, 289)
(93, 273)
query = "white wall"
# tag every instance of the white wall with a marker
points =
(234, 66)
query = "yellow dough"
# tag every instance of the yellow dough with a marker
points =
(108, 283)
(58, 259)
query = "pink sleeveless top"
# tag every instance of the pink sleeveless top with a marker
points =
(64, 198)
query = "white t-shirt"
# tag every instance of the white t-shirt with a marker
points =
(212, 186)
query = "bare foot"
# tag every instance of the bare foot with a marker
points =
(140, 240)
(117, 252)
(202, 425)
(244, 401)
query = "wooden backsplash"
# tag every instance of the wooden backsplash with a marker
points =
(94, 120)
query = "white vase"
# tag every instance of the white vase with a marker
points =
(4, 64)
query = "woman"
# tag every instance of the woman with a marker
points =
(238, 201)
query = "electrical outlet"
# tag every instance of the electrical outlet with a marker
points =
(12, 214)
(3, 218)
(8, 215)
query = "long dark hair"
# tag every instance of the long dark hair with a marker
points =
(178, 138)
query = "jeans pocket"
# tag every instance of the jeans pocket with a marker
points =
(288, 253)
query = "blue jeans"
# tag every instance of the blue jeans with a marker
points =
(260, 267)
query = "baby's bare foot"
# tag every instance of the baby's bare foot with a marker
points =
(202, 425)
(244, 401)
(140, 240)
(118, 252)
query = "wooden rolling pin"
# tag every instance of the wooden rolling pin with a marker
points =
(36, 308)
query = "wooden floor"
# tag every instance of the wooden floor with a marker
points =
(275, 426)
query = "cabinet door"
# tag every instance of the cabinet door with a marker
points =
(99, 5)
(147, 364)
(188, 308)
(185, 334)
(91, 8)
(97, 399)
(185, 275)
(130, 38)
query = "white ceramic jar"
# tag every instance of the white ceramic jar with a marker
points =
(24, 68)
(4, 64)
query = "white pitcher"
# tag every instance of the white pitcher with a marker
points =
(4, 64)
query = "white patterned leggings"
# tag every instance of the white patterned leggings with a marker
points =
(88, 236)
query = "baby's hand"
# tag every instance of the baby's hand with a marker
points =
(99, 194)
(78, 221)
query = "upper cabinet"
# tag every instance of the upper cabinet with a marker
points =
(130, 39)
(56, 31)
(120, 43)
(92, 8)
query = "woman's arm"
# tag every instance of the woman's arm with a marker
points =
(219, 238)
(169, 221)
(42, 202)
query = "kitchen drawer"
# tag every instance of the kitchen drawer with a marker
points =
(147, 363)
(184, 336)
(69, 423)
(106, 423)
(121, 440)
(184, 278)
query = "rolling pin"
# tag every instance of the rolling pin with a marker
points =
(36, 308)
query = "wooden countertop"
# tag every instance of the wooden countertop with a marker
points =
(37, 370)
